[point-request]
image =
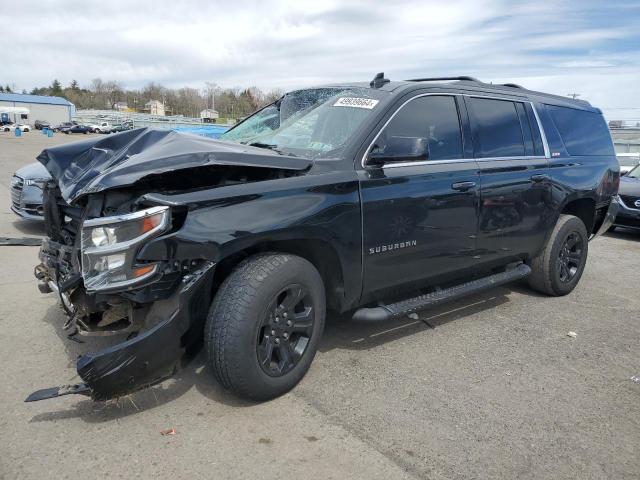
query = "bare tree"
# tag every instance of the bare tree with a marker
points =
(232, 102)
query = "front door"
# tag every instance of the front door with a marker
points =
(420, 218)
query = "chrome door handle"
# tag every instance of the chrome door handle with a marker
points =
(463, 186)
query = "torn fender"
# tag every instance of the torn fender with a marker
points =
(122, 159)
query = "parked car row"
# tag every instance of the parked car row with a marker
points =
(75, 127)
(70, 127)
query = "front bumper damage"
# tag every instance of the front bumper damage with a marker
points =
(154, 354)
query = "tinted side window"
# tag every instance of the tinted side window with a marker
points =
(434, 118)
(583, 133)
(497, 131)
(526, 129)
(537, 139)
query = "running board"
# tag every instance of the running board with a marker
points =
(53, 392)
(421, 302)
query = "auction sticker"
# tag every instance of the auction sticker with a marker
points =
(356, 102)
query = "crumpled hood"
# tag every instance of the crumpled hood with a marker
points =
(122, 159)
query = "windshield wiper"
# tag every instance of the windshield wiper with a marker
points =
(269, 146)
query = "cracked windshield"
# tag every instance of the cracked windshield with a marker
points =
(314, 123)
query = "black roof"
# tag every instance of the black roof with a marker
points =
(471, 84)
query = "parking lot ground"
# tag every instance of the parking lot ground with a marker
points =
(487, 387)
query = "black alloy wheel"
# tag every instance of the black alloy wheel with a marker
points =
(557, 269)
(285, 331)
(265, 325)
(570, 257)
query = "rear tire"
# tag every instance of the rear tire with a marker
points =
(557, 269)
(265, 324)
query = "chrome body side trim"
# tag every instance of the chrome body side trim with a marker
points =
(545, 144)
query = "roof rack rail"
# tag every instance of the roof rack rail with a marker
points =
(512, 85)
(434, 79)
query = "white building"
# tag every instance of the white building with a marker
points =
(54, 110)
(154, 107)
(209, 115)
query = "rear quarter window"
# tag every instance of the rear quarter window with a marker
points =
(583, 132)
(497, 129)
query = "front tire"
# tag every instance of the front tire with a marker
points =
(557, 269)
(265, 324)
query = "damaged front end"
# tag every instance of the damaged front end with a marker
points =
(102, 219)
(154, 310)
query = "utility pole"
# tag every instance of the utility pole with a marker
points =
(573, 95)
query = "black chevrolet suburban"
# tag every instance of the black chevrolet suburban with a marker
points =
(380, 198)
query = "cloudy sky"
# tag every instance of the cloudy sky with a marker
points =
(586, 47)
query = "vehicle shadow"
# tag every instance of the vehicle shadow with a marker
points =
(29, 227)
(340, 333)
(193, 374)
(343, 333)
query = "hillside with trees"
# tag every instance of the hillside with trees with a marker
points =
(187, 101)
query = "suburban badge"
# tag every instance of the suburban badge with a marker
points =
(392, 246)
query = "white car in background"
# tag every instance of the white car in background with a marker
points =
(628, 161)
(102, 127)
(12, 127)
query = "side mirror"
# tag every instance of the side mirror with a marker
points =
(400, 149)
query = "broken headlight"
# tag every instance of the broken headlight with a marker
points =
(110, 244)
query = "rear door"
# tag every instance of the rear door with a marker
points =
(516, 208)
(420, 218)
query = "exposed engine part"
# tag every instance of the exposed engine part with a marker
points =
(64, 297)
(116, 319)
(114, 314)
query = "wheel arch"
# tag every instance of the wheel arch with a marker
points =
(320, 253)
(584, 208)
